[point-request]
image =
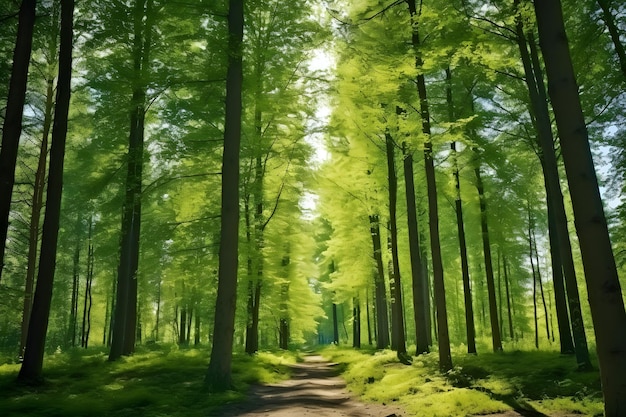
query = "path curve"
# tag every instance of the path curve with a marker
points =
(315, 389)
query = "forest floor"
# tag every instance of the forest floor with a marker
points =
(315, 389)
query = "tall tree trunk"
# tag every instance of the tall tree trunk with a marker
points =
(508, 297)
(12, 127)
(38, 190)
(33, 358)
(158, 310)
(335, 326)
(367, 315)
(218, 375)
(397, 318)
(491, 290)
(75, 294)
(382, 319)
(445, 358)
(553, 189)
(534, 271)
(458, 203)
(196, 332)
(419, 308)
(609, 21)
(560, 299)
(124, 329)
(603, 287)
(539, 100)
(88, 283)
(543, 297)
(356, 323)
(284, 302)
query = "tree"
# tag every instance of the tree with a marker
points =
(218, 375)
(35, 343)
(12, 127)
(40, 174)
(604, 291)
(445, 358)
(125, 318)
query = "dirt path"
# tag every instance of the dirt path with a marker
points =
(314, 390)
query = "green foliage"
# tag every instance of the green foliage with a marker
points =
(478, 384)
(157, 380)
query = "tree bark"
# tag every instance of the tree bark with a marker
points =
(443, 338)
(33, 358)
(603, 287)
(124, 329)
(38, 193)
(356, 323)
(458, 203)
(397, 318)
(382, 319)
(12, 127)
(491, 289)
(508, 297)
(218, 375)
(547, 156)
(419, 309)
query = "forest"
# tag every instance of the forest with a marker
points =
(195, 195)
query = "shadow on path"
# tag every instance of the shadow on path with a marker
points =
(315, 389)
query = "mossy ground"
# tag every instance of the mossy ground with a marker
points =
(540, 380)
(157, 381)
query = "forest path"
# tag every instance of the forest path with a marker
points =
(315, 389)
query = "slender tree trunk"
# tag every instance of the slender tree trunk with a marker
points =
(426, 293)
(284, 302)
(508, 297)
(218, 375)
(124, 329)
(578, 327)
(539, 100)
(106, 320)
(367, 315)
(356, 323)
(534, 271)
(33, 358)
(397, 321)
(12, 127)
(445, 358)
(419, 310)
(335, 326)
(609, 21)
(491, 290)
(467, 292)
(158, 311)
(196, 332)
(603, 287)
(382, 319)
(539, 281)
(38, 192)
(560, 299)
(75, 294)
(182, 335)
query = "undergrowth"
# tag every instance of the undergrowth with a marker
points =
(539, 382)
(162, 380)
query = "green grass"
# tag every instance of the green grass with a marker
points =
(161, 381)
(544, 381)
